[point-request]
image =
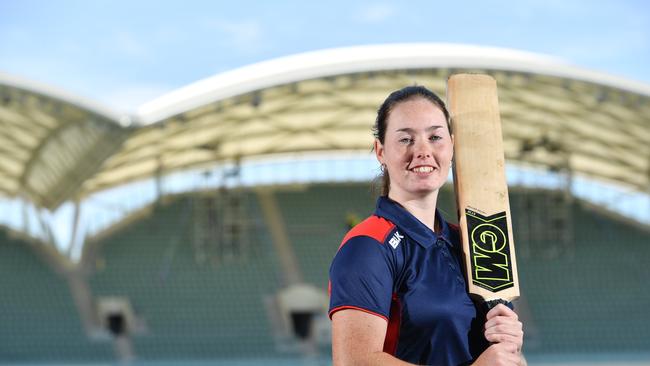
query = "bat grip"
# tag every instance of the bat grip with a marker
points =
(488, 305)
(492, 303)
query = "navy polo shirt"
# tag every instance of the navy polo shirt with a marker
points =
(393, 266)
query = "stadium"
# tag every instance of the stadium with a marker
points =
(200, 229)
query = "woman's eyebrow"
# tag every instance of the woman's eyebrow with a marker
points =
(410, 130)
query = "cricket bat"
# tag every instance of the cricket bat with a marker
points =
(481, 189)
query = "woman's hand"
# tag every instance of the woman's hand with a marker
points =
(500, 354)
(504, 330)
(502, 325)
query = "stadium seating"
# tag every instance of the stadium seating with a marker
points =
(316, 223)
(592, 296)
(589, 295)
(39, 320)
(189, 309)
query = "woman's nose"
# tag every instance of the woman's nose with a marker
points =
(421, 150)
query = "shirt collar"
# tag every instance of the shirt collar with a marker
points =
(413, 227)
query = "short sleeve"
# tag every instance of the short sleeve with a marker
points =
(361, 277)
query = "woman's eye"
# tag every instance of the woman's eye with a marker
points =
(406, 140)
(435, 138)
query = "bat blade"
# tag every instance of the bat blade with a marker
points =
(481, 189)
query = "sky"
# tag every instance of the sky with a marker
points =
(124, 53)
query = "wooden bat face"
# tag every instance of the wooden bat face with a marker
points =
(481, 187)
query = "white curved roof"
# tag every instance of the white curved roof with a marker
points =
(53, 93)
(349, 60)
(59, 147)
(51, 141)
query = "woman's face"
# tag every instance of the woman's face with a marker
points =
(417, 149)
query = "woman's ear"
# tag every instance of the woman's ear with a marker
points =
(379, 151)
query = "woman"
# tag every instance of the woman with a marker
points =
(398, 294)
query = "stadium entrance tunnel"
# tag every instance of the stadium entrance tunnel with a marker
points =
(116, 316)
(301, 323)
(300, 305)
(116, 324)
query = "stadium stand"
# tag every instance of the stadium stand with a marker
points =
(193, 309)
(189, 309)
(315, 220)
(599, 308)
(39, 319)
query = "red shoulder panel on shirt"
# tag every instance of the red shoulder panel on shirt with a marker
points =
(374, 226)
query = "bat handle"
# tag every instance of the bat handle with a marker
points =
(492, 303)
(488, 305)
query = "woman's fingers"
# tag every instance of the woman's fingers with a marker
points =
(499, 354)
(503, 326)
(501, 310)
(504, 338)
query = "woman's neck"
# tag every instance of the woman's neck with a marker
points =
(423, 208)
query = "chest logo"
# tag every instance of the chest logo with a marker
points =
(395, 240)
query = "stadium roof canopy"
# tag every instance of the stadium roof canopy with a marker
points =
(54, 147)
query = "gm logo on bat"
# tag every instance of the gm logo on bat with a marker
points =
(489, 250)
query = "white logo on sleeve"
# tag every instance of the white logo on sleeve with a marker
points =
(395, 240)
